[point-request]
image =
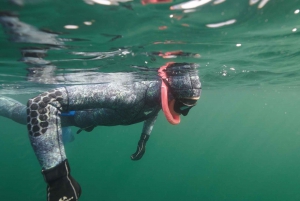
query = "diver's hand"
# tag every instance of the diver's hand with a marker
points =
(87, 129)
(141, 148)
(61, 185)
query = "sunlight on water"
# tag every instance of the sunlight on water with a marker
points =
(211, 29)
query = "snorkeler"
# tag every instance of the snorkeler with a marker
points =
(176, 91)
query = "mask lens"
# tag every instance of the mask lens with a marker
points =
(188, 102)
(183, 106)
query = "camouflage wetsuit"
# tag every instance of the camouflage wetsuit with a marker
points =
(87, 106)
(93, 105)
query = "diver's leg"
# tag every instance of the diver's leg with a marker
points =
(16, 111)
(45, 134)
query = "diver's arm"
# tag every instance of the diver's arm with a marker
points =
(149, 123)
(13, 110)
(147, 129)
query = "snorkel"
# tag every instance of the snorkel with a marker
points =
(172, 117)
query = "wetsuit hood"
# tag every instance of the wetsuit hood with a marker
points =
(183, 80)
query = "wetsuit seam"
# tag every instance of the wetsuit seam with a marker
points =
(191, 81)
(68, 99)
(57, 135)
(48, 193)
(68, 173)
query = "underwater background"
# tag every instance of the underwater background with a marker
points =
(242, 140)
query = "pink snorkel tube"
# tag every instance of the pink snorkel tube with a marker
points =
(171, 115)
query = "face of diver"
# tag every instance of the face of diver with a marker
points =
(183, 105)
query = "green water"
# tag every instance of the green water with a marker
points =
(241, 142)
(235, 145)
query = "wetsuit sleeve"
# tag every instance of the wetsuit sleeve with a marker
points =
(141, 147)
(148, 124)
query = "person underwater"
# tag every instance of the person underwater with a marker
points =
(176, 90)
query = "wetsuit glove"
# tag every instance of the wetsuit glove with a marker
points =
(141, 148)
(61, 185)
